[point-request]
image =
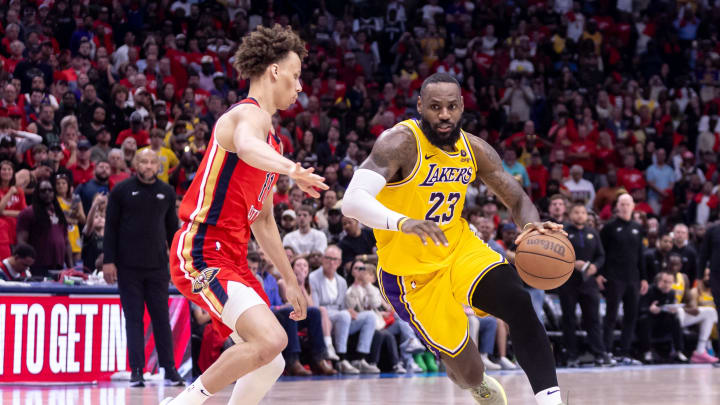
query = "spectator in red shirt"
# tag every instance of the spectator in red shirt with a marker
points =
(142, 137)
(12, 201)
(630, 177)
(539, 176)
(83, 170)
(582, 150)
(118, 167)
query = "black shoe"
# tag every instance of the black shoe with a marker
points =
(172, 377)
(136, 378)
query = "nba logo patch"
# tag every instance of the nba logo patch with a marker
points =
(203, 279)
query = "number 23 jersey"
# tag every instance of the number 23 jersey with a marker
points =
(435, 191)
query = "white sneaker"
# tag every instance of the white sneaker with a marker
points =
(399, 369)
(331, 355)
(414, 346)
(366, 368)
(506, 364)
(414, 368)
(490, 392)
(489, 365)
(166, 401)
(345, 367)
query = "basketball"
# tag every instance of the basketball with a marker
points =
(545, 261)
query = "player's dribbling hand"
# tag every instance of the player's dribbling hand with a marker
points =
(307, 180)
(425, 230)
(296, 298)
(542, 227)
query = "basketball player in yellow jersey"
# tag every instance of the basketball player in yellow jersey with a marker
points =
(411, 190)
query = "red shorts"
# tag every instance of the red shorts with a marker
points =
(211, 270)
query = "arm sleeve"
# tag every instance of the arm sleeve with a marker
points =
(360, 203)
(112, 224)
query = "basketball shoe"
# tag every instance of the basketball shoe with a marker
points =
(490, 392)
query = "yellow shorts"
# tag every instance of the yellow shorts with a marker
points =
(432, 303)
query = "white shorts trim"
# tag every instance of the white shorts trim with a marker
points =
(240, 299)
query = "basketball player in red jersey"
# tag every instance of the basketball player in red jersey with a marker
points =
(230, 197)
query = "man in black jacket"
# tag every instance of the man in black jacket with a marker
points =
(141, 222)
(623, 276)
(681, 237)
(582, 288)
(658, 316)
(656, 257)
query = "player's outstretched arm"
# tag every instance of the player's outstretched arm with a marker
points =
(509, 190)
(245, 131)
(266, 233)
(395, 150)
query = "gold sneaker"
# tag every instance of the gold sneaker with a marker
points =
(490, 392)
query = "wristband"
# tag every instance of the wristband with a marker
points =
(585, 267)
(402, 221)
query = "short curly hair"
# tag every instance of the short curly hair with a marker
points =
(266, 46)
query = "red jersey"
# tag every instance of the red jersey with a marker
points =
(226, 192)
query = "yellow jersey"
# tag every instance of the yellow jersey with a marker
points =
(434, 190)
(679, 287)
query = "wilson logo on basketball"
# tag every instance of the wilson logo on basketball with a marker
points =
(548, 245)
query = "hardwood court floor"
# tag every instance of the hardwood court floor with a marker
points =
(658, 385)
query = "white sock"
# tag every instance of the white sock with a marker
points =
(328, 341)
(252, 387)
(550, 396)
(194, 394)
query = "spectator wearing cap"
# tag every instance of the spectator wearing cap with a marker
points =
(98, 184)
(305, 239)
(287, 224)
(44, 227)
(84, 169)
(12, 202)
(168, 159)
(101, 149)
(55, 157)
(16, 267)
(135, 131)
(358, 243)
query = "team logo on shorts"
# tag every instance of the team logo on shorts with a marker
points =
(203, 279)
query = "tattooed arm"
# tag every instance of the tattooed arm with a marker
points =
(508, 189)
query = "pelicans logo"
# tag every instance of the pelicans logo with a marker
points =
(203, 279)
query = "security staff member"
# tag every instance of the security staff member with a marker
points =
(623, 276)
(582, 288)
(141, 222)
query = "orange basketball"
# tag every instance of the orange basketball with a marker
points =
(545, 261)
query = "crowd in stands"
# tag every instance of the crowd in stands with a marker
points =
(584, 101)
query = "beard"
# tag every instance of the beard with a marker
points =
(437, 139)
(335, 228)
(706, 283)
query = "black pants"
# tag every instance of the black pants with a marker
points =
(715, 289)
(384, 342)
(629, 294)
(501, 294)
(586, 293)
(138, 288)
(313, 323)
(659, 325)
